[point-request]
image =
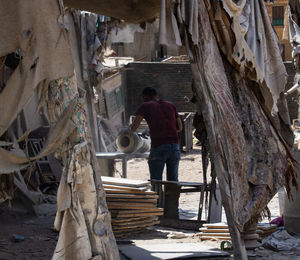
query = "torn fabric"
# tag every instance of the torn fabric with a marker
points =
(82, 216)
(257, 48)
(251, 158)
(16, 160)
(247, 38)
(34, 30)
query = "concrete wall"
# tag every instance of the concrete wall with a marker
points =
(172, 80)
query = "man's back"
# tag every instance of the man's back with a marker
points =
(161, 118)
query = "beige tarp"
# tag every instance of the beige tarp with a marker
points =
(36, 29)
(257, 47)
(12, 161)
(237, 92)
(256, 50)
(134, 11)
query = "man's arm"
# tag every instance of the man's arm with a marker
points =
(136, 123)
(178, 124)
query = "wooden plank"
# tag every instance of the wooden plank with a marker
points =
(135, 222)
(138, 210)
(138, 192)
(126, 233)
(119, 220)
(124, 182)
(218, 238)
(131, 231)
(128, 228)
(132, 196)
(127, 205)
(139, 214)
(214, 230)
(266, 226)
(216, 225)
(214, 234)
(116, 187)
(135, 200)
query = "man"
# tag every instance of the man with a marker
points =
(164, 123)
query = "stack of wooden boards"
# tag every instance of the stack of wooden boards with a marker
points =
(265, 229)
(217, 231)
(132, 204)
(220, 231)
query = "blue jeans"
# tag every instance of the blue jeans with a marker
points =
(168, 154)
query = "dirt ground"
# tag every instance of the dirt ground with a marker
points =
(40, 240)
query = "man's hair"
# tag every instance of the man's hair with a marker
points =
(149, 92)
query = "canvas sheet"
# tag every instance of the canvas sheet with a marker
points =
(36, 29)
(250, 150)
(256, 50)
(16, 159)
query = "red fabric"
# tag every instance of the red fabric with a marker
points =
(161, 118)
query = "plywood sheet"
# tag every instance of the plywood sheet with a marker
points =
(127, 205)
(137, 214)
(216, 237)
(136, 222)
(138, 192)
(214, 230)
(214, 234)
(216, 225)
(132, 196)
(124, 182)
(135, 200)
(134, 226)
(116, 187)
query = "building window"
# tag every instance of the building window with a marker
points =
(277, 15)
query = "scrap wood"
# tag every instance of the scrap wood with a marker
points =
(116, 187)
(150, 210)
(130, 230)
(209, 230)
(216, 225)
(138, 214)
(33, 196)
(128, 219)
(218, 230)
(132, 205)
(129, 205)
(135, 200)
(144, 225)
(214, 234)
(132, 196)
(139, 192)
(125, 182)
(217, 238)
(136, 225)
(135, 222)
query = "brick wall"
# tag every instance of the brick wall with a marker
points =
(292, 99)
(172, 81)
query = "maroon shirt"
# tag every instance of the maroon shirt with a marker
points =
(161, 118)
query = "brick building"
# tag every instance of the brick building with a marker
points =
(276, 10)
(173, 82)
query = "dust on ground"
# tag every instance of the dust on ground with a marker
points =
(40, 239)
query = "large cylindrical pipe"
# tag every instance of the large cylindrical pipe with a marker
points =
(130, 142)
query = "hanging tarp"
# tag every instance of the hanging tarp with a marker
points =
(35, 30)
(236, 92)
